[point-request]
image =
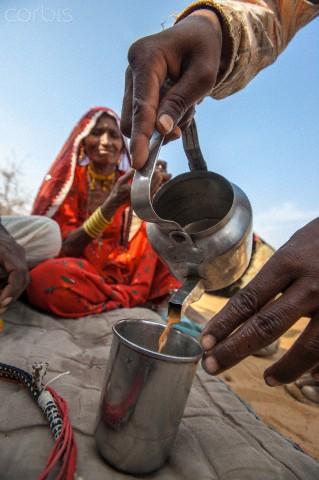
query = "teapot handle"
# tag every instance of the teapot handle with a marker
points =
(192, 149)
(141, 185)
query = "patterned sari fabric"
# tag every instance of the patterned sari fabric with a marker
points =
(112, 271)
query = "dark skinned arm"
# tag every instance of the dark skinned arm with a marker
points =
(256, 316)
(215, 49)
(189, 54)
(13, 269)
(217, 53)
(75, 243)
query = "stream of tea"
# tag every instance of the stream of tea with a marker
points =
(173, 317)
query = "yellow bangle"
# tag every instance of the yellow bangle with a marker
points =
(96, 223)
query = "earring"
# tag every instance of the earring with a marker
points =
(81, 153)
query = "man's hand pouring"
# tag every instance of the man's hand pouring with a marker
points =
(256, 316)
(189, 55)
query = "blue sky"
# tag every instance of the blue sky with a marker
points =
(59, 58)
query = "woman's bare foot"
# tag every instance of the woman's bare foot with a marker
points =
(269, 350)
(305, 389)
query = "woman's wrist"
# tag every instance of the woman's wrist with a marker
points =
(96, 223)
(109, 207)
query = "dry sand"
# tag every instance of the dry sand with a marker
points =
(274, 406)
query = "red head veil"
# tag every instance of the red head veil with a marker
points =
(59, 179)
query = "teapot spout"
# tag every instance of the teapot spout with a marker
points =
(191, 291)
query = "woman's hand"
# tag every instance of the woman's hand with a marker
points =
(119, 195)
(14, 269)
(160, 177)
(189, 55)
(75, 243)
(254, 318)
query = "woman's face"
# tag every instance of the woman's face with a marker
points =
(104, 143)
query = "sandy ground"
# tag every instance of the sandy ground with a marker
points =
(275, 406)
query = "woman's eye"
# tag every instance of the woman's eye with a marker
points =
(115, 135)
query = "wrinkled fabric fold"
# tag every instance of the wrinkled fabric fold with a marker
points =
(258, 31)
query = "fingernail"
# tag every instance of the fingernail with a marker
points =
(208, 342)
(166, 122)
(6, 302)
(272, 382)
(177, 133)
(210, 365)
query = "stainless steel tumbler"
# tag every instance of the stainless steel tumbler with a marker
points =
(144, 395)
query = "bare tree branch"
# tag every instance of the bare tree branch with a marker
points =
(13, 199)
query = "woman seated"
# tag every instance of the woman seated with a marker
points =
(106, 261)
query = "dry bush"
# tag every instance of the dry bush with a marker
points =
(13, 199)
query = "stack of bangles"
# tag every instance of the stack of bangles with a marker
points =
(96, 223)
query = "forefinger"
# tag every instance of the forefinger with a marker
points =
(146, 93)
(261, 329)
(126, 115)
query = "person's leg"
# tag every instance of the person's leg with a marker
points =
(71, 288)
(39, 236)
(306, 388)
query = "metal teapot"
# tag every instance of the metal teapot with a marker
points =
(199, 223)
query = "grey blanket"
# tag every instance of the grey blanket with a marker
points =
(219, 437)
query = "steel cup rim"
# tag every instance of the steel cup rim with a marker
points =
(150, 353)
